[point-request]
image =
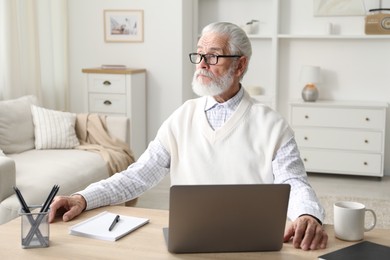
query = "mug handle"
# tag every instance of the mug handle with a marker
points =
(373, 223)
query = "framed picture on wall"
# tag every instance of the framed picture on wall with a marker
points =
(339, 7)
(123, 25)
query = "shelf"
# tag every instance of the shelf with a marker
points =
(259, 36)
(340, 103)
(341, 37)
(254, 36)
(113, 71)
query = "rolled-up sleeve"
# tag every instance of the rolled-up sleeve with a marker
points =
(148, 171)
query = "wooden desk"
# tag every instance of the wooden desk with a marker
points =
(145, 243)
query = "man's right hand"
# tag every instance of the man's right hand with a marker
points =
(67, 206)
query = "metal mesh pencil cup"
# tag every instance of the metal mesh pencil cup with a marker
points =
(34, 228)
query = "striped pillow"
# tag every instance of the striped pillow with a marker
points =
(54, 129)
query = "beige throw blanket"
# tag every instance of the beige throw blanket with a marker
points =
(91, 130)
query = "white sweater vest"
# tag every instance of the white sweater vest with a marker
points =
(240, 152)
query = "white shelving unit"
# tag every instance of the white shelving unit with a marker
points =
(282, 23)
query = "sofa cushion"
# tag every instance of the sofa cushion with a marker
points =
(54, 129)
(16, 125)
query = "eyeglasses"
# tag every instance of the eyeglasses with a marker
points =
(210, 59)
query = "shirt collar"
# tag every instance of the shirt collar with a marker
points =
(231, 103)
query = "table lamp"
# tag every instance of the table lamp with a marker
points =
(310, 75)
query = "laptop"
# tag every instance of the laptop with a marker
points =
(227, 218)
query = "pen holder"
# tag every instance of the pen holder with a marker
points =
(35, 228)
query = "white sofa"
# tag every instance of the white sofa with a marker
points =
(35, 171)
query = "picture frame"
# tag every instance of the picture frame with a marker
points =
(123, 25)
(339, 8)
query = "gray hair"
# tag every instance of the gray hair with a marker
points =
(238, 41)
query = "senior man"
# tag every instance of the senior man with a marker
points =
(222, 137)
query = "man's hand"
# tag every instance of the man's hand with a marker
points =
(306, 233)
(69, 207)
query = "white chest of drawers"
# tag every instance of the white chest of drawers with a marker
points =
(340, 137)
(120, 92)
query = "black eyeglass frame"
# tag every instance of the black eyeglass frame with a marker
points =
(206, 59)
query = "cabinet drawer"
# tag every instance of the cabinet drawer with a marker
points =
(107, 83)
(107, 103)
(333, 161)
(339, 139)
(338, 117)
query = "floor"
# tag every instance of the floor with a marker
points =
(354, 186)
(323, 184)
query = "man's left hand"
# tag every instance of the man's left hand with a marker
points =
(306, 233)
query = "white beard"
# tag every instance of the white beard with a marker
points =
(215, 87)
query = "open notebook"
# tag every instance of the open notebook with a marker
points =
(98, 226)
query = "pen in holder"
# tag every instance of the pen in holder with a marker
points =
(34, 228)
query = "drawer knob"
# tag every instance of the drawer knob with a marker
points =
(366, 141)
(106, 83)
(306, 117)
(365, 163)
(107, 102)
(367, 119)
(305, 159)
(305, 138)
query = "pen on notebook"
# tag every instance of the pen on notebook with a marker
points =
(116, 220)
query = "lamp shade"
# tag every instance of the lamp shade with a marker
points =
(310, 74)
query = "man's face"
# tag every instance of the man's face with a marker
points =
(216, 79)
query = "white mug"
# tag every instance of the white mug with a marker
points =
(349, 220)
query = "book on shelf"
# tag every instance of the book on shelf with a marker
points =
(113, 67)
(361, 250)
(98, 226)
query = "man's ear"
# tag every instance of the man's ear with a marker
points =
(242, 65)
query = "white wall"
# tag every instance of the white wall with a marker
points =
(161, 54)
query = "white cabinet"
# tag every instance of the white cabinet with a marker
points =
(120, 92)
(340, 137)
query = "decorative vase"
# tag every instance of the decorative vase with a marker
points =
(251, 27)
(310, 93)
